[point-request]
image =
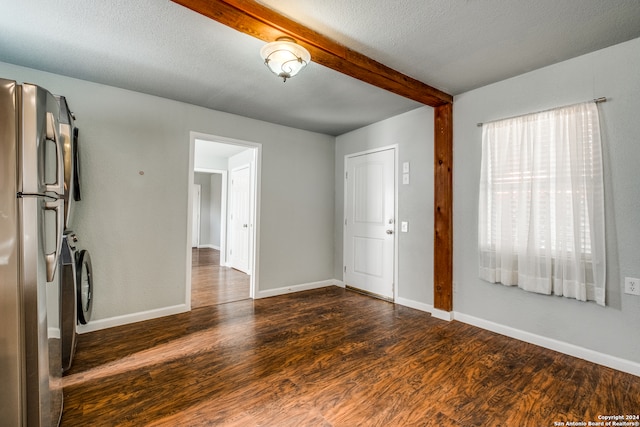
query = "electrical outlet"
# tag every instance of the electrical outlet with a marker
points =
(631, 286)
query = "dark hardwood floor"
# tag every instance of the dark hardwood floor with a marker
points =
(329, 357)
(212, 284)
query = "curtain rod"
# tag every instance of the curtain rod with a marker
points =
(596, 100)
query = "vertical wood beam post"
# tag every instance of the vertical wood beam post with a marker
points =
(443, 209)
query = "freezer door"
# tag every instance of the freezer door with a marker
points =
(12, 410)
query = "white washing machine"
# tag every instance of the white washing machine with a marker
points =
(76, 294)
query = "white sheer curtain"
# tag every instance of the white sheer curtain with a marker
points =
(541, 213)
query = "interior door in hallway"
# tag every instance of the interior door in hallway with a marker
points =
(240, 218)
(369, 237)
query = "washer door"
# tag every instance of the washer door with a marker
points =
(84, 286)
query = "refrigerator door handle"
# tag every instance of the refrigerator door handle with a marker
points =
(53, 135)
(51, 259)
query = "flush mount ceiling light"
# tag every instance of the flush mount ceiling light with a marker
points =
(284, 57)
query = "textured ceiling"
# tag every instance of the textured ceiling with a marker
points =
(161, 48)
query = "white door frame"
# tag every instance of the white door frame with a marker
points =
(197, 205)
(393, 147)
(255, 203)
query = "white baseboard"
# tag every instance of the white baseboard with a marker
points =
(559, 346)
(96, 325)
(443, 315)
(562, 347)
(297, 288)
(437, 313)
(217, 248)
(414, 304)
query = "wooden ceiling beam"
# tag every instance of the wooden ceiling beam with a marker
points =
(251, 18)
(264, 23)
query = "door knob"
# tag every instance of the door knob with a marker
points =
(389, 231)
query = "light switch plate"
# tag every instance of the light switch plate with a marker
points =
(405, 167)
(404, 226)
(405, 178)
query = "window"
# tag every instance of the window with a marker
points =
(541, 210)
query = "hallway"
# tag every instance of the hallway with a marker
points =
(212, 284)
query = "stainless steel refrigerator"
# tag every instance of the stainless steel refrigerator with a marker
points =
(31, 227)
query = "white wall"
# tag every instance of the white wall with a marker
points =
(206, 209)
(207, 158)
(135, 174)
(216, 208)
(241, 159)
(413, 132)
(613, 73)
(297, 196)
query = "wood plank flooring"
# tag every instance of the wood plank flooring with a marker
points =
(329, 357)
(212, 284)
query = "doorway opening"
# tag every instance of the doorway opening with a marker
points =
(223, 215)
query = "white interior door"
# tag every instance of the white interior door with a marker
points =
(195, 225)
(240, 218)
(369, 237)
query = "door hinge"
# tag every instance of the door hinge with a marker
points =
(345, 268)
(346, 175)
(345, 221)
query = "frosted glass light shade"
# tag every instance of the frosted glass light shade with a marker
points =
(284, 57)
